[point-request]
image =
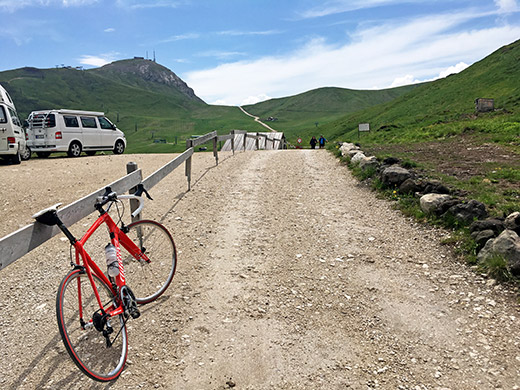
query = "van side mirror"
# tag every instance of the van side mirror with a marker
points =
(114, 127)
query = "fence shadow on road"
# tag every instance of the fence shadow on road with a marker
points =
(54, 365)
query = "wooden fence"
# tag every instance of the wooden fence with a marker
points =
(17, 244)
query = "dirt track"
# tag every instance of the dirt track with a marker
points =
(290, 276)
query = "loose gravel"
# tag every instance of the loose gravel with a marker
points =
(291, 276)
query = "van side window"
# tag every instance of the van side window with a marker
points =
(70, 121)
(88, 122)
(3, 118)
(104, 123)
(14, 117)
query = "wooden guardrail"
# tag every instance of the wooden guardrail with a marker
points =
(17, 244)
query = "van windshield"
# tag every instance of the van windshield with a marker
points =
(104, 123)
(3, 118)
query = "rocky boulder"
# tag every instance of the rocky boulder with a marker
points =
(358, 157)
(369, 163)
(481, 237)
(494, 224)
(409, 186)
(512, 222)
(394, 176)
(430, 203)
(506, 245)
(435, 187)
(346, 147)
(390, 161)
(466, 213)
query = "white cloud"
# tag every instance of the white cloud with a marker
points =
(332, 7)
(141, 4)
(405, 80)
(410, 79)
(380, 56)
(180, 37)
(453, 69)
(97, 61)
(507, 6)
(221, 55)
(13, 5)
(109, 30)
(242, 33)
(255, 99)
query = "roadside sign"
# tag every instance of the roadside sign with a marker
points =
(364, 127)
(299, 140)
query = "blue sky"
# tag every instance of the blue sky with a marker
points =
(243, 51)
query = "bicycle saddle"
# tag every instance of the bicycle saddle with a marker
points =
(48, 216)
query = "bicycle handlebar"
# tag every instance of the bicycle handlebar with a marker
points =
(139, 198)
(111, 196)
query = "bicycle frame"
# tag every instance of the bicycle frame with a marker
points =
(117, 237)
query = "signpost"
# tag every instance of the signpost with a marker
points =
(363, 127)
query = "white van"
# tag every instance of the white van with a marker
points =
(73, 131)
(12, 136)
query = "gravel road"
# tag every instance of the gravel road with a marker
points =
(291, 276)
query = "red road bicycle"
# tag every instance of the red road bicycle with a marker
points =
(92, 307)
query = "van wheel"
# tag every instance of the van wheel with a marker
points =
(26, 155)
(43, 154)
(74, 149)
(16, 159)
(119, 148)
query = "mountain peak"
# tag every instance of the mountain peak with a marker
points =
(148, 71)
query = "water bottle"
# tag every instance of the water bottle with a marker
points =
(112, 263)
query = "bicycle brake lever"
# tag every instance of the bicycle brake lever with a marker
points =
(140, 190)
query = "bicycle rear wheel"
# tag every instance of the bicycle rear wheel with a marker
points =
(85, 344)
(149, 280)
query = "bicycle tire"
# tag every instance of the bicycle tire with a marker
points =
(149, 280)
(87, 347)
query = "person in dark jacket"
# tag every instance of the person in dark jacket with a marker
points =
(313, 142)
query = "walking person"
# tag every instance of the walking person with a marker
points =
(313, 142)
(322, 142)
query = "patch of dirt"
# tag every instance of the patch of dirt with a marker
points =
(290, 276)
(461, 157)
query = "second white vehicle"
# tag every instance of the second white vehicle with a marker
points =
(73, 131)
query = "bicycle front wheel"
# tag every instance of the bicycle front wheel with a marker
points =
(76, 305)
(149, 280)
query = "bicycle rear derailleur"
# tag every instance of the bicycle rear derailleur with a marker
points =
(102, 324)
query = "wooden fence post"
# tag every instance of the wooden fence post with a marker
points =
(215, 149)
(233, 141)
(134, 204)
(189, 143)
(245, 141)
(257, 141)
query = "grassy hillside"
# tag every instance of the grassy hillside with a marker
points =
(436, 129)
(445, 108)
(143, 110)
(306, 114)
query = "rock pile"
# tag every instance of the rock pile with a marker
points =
(494, 236)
